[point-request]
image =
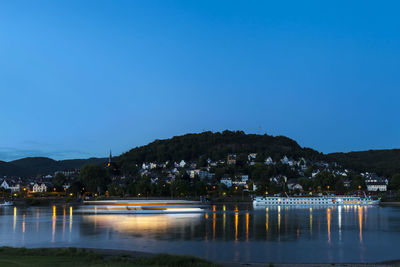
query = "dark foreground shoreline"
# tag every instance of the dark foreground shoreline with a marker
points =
(111, 257)
(254, 264)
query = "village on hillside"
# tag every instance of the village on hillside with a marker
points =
(236, 175)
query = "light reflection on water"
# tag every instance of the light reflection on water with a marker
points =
(225, 232)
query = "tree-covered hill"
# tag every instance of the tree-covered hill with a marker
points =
(383, 162)
(7, 169)
(217, 146)
(32, 166)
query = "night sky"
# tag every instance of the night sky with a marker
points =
(80, 77)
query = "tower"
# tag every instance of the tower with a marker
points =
(112, 166)
(109, 159)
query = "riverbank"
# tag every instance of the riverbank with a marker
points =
(93, 257)
(390, 203)
(110, 257)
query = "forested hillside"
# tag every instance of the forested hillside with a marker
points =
(217, 146)
(383, 162)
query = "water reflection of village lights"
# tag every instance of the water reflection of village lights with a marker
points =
(236, 222)
(37, 219)
(328, 219)
(279, 218)
(360, 222)
(70, 219)
(63, 220)
(53, 233)
(311, 221)
(23, 223)
(247, 225)
(15, 219)
(340, 222)
(214, 224)
(224, 223)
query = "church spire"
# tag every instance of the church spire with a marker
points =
(109, 159)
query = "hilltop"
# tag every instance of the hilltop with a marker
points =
(216, 146)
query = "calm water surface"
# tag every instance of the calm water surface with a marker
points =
(224, 233)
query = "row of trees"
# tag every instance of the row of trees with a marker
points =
(144, 187)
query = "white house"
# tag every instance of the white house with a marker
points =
(193, 173)
(285, 160)
(231, 159)
(240, 183)
(245, 178)
(39, 188)
(5, 185)
(269, 161)
(227, 182)
(315, 173)
(182, 164)
(294, 186)
(145, 166)
(66, 186)
(14, 187)
(376, 186)
(252, 156)
(153, 165)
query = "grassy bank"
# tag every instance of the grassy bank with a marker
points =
(81, 257)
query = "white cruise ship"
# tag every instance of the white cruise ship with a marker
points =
(315, 201)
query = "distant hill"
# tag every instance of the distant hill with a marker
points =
(383, 162)
(7, 169)
(216, 146)
(33, 166)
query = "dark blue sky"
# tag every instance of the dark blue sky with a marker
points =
(80, 77)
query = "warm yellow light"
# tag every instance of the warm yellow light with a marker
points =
(71, 194)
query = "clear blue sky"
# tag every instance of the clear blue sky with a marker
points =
(80, 77)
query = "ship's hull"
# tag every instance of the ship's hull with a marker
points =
(314, 201)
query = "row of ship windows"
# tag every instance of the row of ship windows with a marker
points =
(283, 200)
(310, 202)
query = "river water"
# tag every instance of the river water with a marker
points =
(223, 233)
